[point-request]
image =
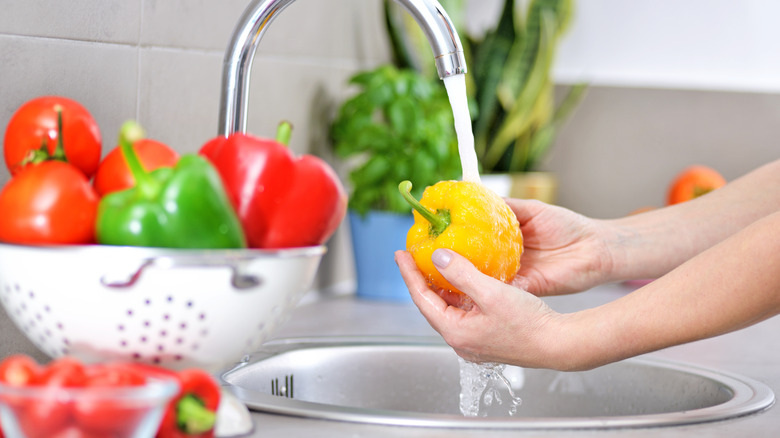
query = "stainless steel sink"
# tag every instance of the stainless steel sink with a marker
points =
(415, 382)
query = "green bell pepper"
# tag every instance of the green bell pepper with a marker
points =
(181, 207)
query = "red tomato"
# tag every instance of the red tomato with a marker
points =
(46, 416)
(35, 123)
(19, 370)
(75, 432)
(113, 174)
(63, 372)
(693, 182)
(107, 415)
(49, 203)
(43, 416)
(113, 375)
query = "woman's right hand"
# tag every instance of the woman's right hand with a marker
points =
(564, 252)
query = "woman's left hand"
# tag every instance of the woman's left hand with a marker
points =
(505, 324)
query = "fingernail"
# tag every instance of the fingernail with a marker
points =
(441, 258)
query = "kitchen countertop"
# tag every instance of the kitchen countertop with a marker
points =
(753, 352)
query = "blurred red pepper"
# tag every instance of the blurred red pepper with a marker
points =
(193, 412)
(283, 201)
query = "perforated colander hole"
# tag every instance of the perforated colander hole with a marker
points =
(162, 327)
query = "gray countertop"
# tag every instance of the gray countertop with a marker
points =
(753, 352)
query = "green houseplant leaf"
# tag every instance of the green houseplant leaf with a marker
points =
(398, 126)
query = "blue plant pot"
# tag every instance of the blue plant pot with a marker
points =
(375, 238)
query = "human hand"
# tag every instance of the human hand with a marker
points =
(505, 324)
(564, 252)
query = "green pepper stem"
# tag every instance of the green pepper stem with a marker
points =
(284, 132)
(129, 133)
(439, 220)
(193, 417)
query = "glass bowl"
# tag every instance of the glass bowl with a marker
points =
(55, 411)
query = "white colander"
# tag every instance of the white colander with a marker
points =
(176, 308)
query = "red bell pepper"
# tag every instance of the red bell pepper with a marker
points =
(283, 201)
(193, 412)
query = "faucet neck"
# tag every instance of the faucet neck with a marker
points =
(237, 66)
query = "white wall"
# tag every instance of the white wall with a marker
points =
(690, 44)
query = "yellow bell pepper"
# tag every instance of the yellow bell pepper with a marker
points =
(469, 219)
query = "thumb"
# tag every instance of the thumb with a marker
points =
(462, 274)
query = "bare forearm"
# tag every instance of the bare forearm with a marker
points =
(653, 243)
(734, 284)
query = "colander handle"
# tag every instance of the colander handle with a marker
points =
(239, 279)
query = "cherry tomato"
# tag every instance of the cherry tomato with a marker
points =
(43, 415)
(63, 372)
(75, 432)
(113, 174)
(19, 370)
(49, 203)
(35, 123)
(113, 375)
(693, 182)
(106, 416)
(47, 415)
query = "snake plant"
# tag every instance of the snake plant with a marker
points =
(514, 113)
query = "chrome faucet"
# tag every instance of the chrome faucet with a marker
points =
(429, 14)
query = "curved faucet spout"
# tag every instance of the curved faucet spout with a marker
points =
(429, 14)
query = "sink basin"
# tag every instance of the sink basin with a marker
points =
(415, 382)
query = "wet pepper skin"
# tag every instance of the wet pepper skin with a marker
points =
(481, 228)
